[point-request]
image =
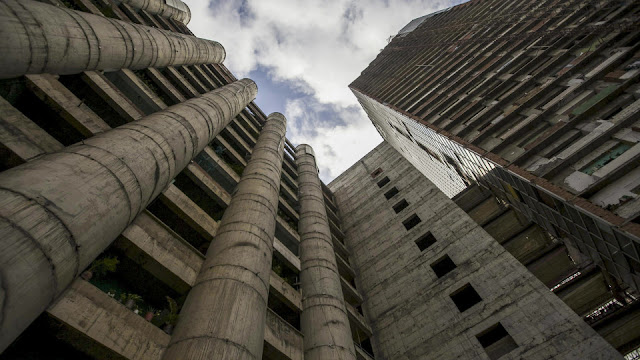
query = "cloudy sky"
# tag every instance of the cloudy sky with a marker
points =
(303, 54)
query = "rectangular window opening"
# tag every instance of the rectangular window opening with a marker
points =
(400, 206)
(443, 266)
(496, 341)
(465, 297)
(411, 222)
(391, 193)
(383, 182)
(425, 241)
(377, 172)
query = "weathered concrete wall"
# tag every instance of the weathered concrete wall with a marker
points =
(58, 212)
(39, 38)
(179, 11)
(224, 314)
(324, 319)
(409, 308)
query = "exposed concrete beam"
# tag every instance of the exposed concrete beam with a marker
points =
(187, 210)
(182, 83)
(136, 90)
(355, 318)
(285, 292)
(192, 79)
(351, 295)
(111, 95)
(289, 237)
(23, 137)
(165, 85)
(286, 256)
(48, 89)
(233, 285)
(166, 255)
(96, 42)
(60, 211)
(283, 341)
(208, 184)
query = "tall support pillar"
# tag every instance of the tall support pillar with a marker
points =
(41, 38)
(60, 211)
(225, 312)
(324, 320)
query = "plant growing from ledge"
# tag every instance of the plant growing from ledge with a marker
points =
(130, 300)
(101, 267)
(151, 312)
(171, 318)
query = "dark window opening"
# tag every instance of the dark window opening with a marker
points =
(391, 193)
(411, 222)
(383, 182)
(465, 297)
(496, 341)
(377, 172)
(425, 241)
(443, 266)
(400, 206)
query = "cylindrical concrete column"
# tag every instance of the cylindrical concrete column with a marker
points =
(174, 9)
(39, 38)
(225, 312)
(60, 211)
(324, 320)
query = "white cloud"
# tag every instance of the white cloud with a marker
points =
(316, 46)
(337, 146)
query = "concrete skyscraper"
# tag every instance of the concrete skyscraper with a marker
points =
(150, 210)
(526, 113)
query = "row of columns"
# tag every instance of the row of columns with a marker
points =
(60, 211)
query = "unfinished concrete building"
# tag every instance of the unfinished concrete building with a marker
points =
(526, 114)
(149, 209)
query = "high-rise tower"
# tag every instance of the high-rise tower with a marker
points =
(537, 103)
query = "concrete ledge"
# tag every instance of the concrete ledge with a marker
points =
(351, 295)
(282, 340)
(106, 321)
(285, 293)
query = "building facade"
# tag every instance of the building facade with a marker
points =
(535, 103)
(149, 208)
(438, 286)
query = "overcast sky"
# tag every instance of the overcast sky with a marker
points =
(303, 54)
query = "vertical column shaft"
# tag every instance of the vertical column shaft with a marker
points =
(60, 211)
(324, 320)
(41, 38)
(225, 312)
